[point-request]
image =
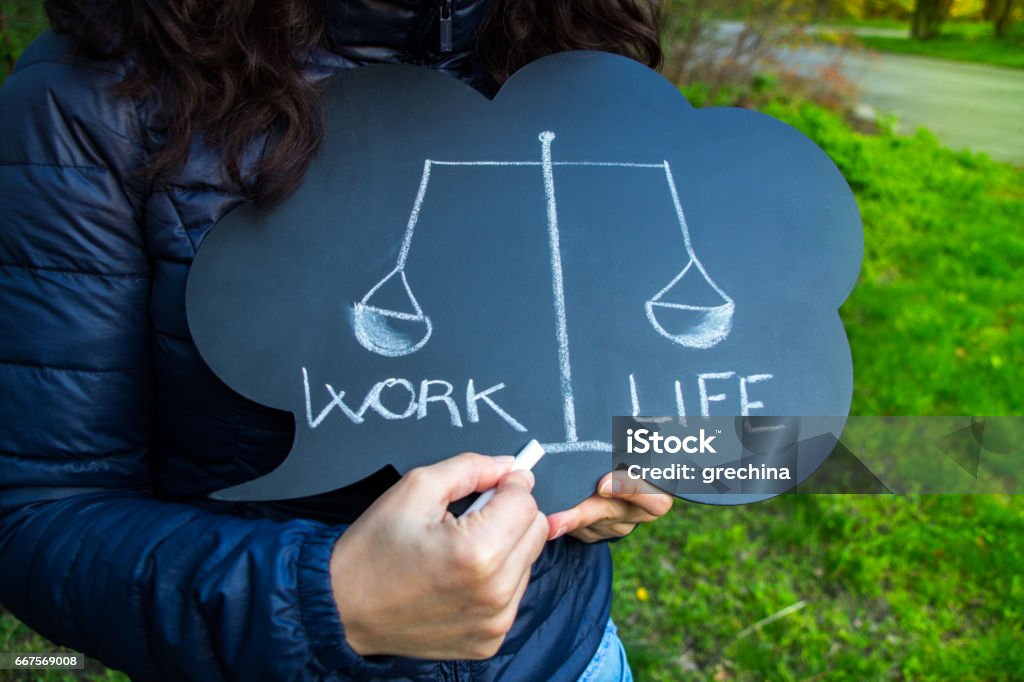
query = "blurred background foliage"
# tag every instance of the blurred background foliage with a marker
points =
(836, 587)
(20, 22)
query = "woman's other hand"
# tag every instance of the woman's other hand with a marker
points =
(619, 505)
(410, 579)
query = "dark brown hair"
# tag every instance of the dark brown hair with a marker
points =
(231, 70)
(516, 32)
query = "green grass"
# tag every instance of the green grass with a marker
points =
(20, 22)
(936, 321)
(871, 588)
(882, 22)
(827, 587)
(959, 41)
(16, 638)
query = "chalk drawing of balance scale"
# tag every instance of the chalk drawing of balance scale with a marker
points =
(390, 332)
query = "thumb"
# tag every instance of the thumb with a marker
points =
(522, 479)
(619, 484)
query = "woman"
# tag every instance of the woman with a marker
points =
(128, 132)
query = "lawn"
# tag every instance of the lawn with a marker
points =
(827, 587)
(880, 22)
(959, 41)
(16, 638)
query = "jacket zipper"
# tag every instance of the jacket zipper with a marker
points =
(450, 671)
(446, 18)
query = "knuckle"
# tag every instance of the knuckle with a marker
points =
(495, 628)
(611, 511)
(586, 535)
(475, 562)
(503, 623)
(623, 529)
(485, 649)
(417, 476)
(492, 599)
(530, 508)
(477, 652)
(467, 457)
(494, 596)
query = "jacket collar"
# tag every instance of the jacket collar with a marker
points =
(405, 31)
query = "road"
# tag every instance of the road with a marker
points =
(965, 105)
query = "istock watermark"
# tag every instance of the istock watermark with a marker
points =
(642, 441)
(733, 460)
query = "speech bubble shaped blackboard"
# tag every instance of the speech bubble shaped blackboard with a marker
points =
(457, 273)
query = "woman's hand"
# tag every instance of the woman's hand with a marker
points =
(410, 579)
(619, 505)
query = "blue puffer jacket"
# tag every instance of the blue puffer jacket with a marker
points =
(113, 431)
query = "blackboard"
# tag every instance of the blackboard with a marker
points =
(457, 273)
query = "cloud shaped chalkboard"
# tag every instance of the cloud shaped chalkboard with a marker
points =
(457, 273)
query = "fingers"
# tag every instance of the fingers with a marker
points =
(501, 622)
(502, 541)
(514, 575)
(512, 510)
(621, 503)
(452, 479)
(602, 532)
(520, 590)
(530, 545)
(510, 522)
(595, 510)
(617, 485)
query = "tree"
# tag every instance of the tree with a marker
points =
(928, 18)
(700, 45)
(20, 22)
(1000, 13)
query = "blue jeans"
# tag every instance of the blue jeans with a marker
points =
(609, 664)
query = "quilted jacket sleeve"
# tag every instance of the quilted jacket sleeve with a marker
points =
(87, 557)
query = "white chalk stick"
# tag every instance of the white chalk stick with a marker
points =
(524, 461)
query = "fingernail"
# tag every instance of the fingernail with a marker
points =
(606, 488)
(504, 459)
(560, 532)
(522, 477)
